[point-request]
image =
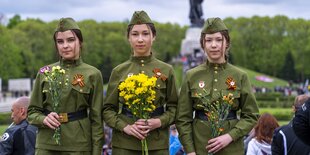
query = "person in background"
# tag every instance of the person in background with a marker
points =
(128, 131)
(213, 78)
(261, 143)
(301, 123)
(284, 141)
(81, 100)
(20, 137)
(175, 147)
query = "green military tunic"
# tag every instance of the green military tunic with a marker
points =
(85, 134)
(194, 133)
(166, 96)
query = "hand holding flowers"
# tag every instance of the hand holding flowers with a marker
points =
(217, 110)
(139, 95)
(55, 80)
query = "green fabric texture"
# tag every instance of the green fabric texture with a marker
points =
(213, 25)
(83, 135)
(210, 79)
(140, 17)
(166, 96)
(66, 24)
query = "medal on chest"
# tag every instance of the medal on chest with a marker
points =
(201, 84)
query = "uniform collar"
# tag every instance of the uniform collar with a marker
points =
(142, 59)
(216, 66)
(70, 63)
(23, 122)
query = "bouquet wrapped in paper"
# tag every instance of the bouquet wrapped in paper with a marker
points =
(138, 92)
(55, 78)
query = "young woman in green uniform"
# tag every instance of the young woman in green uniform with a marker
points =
(214, 78)
(81, 100)
(127, 131)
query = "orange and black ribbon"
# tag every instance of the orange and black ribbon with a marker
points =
(78, 79)
(231, 83)
(159, 74)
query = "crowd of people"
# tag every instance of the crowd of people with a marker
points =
(72, 123)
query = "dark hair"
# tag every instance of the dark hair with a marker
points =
(150, 25)
(78, 34)
(225, 34)
(265, 127)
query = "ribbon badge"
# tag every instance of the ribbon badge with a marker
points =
(158, 74)
(231, 83)
(78, 79)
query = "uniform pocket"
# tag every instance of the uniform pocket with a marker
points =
(236, 96)
(81, 93)
(195, 95)
(161, 91)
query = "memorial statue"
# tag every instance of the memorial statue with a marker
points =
(196, 13)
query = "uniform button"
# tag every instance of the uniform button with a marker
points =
(215, 72)
(142, 64)
(158, 85)
(215, 67)
(142, 61)
(81, 90)
(142, 72)
(215, 89)
(217, 102)
(215, 80)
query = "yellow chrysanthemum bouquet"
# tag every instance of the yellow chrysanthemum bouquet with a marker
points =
(55, 78)
(139, 93)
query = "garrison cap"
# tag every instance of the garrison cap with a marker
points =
(66, 24)
(213, 25)
(140, 17)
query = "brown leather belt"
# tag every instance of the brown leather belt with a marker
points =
(69, 117)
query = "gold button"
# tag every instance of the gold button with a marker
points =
(215, 68)
(215, 89)
(142, 72)
(215, 72)
(158, 85)
(142, 64)
(81, 90)
(142, 61)
(215, 80)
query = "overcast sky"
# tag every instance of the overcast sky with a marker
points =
(174, 11)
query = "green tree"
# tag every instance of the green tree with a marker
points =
(288, 69)
(15, 20)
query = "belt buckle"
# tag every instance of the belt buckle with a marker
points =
(63, 117)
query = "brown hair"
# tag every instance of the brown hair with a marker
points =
(78, 34)
(225, 34)
(265, 127)
(150, 25)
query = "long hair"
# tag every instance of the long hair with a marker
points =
(265, 128)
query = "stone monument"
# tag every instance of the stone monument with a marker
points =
(191, 52)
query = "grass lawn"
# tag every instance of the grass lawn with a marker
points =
(252, 76)
(3, 128)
